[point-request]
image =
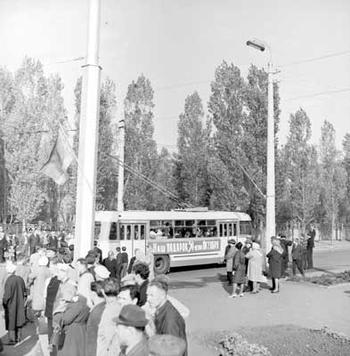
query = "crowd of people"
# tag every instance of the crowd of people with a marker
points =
(91, 306)
(246, 268)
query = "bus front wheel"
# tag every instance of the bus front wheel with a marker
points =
(161, 264)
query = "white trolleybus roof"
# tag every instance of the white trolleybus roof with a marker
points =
(170, 215)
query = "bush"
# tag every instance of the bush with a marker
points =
(235, 345)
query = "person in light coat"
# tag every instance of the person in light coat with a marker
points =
(38, 277)
(255, 263)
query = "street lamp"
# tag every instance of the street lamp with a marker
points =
(270, 179)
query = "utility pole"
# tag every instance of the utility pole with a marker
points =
(120, 206)
(270, 188)
(88, 137)
(270, 178)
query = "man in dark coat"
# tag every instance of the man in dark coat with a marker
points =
(13, 302)
(125, 262)
(297, 257)
(285, 255)
(51, 294)
(310, 246)
(111, 264)
(3, 245)
(33, 241)
(167, 319)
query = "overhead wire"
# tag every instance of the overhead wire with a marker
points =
(160, 188)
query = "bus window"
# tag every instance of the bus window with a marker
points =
(230, 229)
(245, 228)
(97, 229)
(142, 232)
(122, 232)
(189, 222)
(136, 232)
(234, 229)
(128, 232)
(113, 231)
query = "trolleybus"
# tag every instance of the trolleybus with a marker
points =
(177, 238)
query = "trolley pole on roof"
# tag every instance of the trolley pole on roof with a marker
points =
(88, 137)
(120, 206)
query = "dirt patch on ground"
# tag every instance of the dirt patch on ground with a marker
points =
(326, 279)
(284, 340)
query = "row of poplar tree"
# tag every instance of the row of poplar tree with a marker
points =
(220, 161)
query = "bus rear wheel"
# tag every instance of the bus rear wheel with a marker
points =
(161, 264)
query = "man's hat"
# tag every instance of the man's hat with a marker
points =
(232, 242)
(132, 315)
(166, 345)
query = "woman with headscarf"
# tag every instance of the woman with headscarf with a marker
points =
(240, 271)
(255, 262)
(275, 257)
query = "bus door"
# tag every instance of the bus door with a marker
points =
(228, 230)
(132, 236)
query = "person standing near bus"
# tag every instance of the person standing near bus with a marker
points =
(229, 254)
(240, 271)
(310, 246)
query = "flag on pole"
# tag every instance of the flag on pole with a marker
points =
(60, 158)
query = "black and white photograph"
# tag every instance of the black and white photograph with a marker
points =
(174, 178)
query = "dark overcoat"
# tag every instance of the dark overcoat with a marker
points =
(92, 328)
(275, 263)
(13, 302)
(74, 321)
(169, 321)
(239, 267)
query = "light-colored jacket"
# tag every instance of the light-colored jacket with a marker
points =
(39, 277)
(255, 266)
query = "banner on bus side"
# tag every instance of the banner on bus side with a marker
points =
(185, 246)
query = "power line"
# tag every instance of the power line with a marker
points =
(334, 91)
(314, 59)
(64, 61)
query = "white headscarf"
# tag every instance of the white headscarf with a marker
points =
(256, 247)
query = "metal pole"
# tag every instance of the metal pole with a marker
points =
(121, 166)
(88, 137)
(270, 189)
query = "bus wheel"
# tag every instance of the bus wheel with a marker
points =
(161, 264)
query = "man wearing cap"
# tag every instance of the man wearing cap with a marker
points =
(13, 303)
(167, 319)
(131, 325)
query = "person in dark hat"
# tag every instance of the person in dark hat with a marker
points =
(166, 345)
(131, 324)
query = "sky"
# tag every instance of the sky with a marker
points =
(177, 44)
